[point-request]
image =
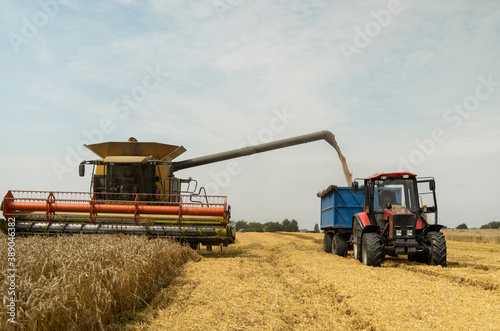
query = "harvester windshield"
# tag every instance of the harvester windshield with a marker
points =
(129, 178)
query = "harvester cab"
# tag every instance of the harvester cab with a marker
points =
(129, 168)
(395, 220)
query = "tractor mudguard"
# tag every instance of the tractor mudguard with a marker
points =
(363, 219)
(433, 227)
(364, 223)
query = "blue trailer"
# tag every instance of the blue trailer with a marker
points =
(338, 206)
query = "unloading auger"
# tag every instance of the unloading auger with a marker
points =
(134, 190)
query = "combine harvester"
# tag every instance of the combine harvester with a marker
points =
(134, 190)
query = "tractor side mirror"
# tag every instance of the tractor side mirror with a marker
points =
(355, 187)
(432, 185)
(81, 170)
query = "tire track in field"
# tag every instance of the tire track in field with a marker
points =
(455, 273)
(303, 281)
(462, 269)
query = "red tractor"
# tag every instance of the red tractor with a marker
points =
(399, 218)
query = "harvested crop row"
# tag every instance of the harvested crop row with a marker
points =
(253, 285)
(283, 281)
(87, 282)
(469, 264)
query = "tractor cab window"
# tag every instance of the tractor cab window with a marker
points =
(399, 193)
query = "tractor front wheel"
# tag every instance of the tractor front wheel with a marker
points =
(372, 249)
(437, 249)
(339, 245)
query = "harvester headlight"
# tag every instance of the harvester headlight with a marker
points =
(409, 232)
(383, 177)
(406, 176)
(399, 233)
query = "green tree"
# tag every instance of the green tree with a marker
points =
(273, 227)
(294, 226)
(241, 224)
(255, 227)
(286, 224)
(316, 228)
(462, 226)
(491, 225)
(290, 226)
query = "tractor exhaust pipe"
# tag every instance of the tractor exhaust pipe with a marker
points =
(246, 151)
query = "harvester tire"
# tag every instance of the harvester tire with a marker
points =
(372, 249)
(327, 242)
(356, 241)
(437, 249)
(339, 245)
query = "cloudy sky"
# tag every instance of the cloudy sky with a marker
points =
(403, 85)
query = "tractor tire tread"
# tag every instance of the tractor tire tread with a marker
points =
(437, 249)
(372, 242)
(357, 241)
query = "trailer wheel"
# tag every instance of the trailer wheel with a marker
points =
(339, 245)
(356, 241)
(327, 242)
(372, 249)
(437, 249)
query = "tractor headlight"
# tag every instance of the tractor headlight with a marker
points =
(399, 233)
(409, 233)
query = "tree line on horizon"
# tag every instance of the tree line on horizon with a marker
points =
(490, 225)
(285, 226)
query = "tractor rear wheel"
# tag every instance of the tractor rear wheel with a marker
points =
(327, 242)
(356, 240)
(339, 245)
(372, 249)
(437, 249)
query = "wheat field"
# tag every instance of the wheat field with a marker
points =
(87, 282)
(265, 281)
(487, 236)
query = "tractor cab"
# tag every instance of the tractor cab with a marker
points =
(396, 193)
